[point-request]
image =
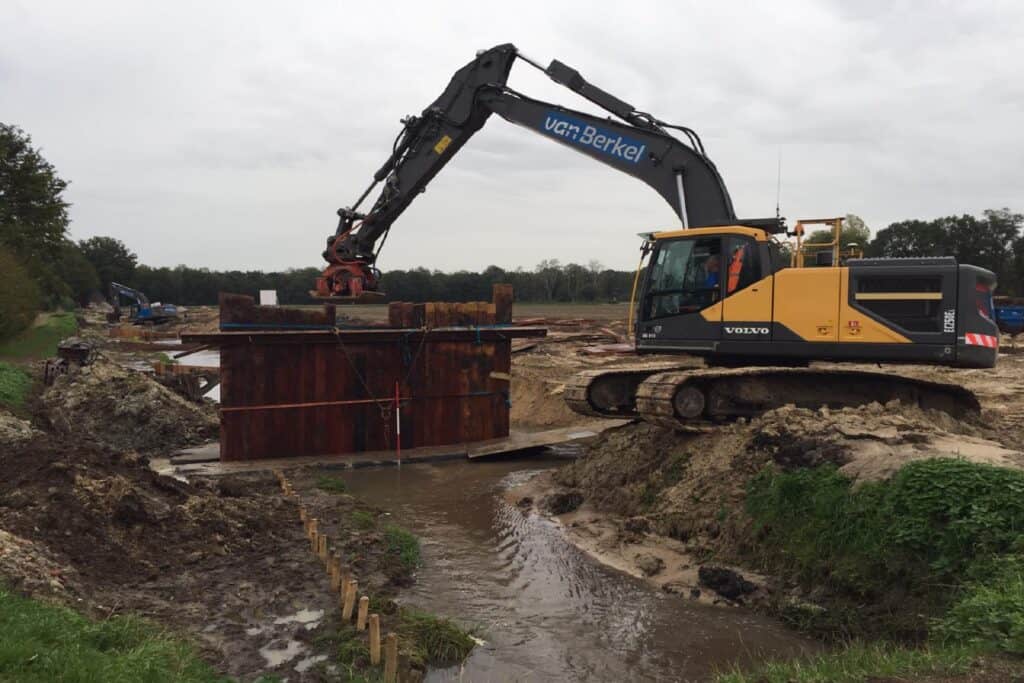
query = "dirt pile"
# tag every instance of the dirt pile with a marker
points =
(13, 429)
(125, 409)
(224, 560)
(115, 520)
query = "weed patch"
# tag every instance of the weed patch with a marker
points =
(404, 547)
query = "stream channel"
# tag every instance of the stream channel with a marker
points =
(547, 611)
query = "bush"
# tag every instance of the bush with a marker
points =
(19, 296)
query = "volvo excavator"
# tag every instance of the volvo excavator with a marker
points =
(720, 288)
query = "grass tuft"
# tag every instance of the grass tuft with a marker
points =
(331, 484)
(433, 640)
(403, 546)
(364, 520)
(46, 643)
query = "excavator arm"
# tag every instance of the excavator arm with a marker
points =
(638, 145)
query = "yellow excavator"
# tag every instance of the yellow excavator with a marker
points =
(720, 288)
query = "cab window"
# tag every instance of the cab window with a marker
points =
(686, 277)
(742, 265)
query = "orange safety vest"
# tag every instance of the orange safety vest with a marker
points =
(735, 266)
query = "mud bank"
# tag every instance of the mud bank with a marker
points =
(671, 508)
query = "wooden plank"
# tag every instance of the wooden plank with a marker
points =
(395, 314)
(502, 296)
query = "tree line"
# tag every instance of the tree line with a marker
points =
(42, 268)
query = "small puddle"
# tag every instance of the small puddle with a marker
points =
(546, 610)
(310, 618)
(275, 655)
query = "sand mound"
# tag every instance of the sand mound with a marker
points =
(126, 409)
(872, 442)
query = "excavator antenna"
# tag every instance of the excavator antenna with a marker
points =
(778, 186)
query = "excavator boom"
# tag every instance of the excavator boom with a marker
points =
(638, 145)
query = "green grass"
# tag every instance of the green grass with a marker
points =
(364, 520)
(14, 386)
(166, 359)
(331, 484)
(40, 341)
(858, 662)
(403, 546)
(45, 643)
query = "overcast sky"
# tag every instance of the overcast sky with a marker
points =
(226, 134)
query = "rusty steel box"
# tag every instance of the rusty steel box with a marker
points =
(321, 392)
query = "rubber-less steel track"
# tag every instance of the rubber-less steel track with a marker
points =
(687, 399)
(611, 392)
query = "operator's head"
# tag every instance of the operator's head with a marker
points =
(711, 265)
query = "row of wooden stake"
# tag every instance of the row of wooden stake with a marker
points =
(344, 582)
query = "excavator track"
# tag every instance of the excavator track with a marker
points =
(694, 399)
(611, 392)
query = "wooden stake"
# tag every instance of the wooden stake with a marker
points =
(321, 548)
(364, 608)
(375, 639)
(350, 600)
(391, 658)
(313, 533)
(302, 514)
(335, 572)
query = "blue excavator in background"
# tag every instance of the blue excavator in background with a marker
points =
(140, 311)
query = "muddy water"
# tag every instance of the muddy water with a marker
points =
(545, 610)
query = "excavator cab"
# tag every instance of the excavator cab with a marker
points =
(727, 293)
